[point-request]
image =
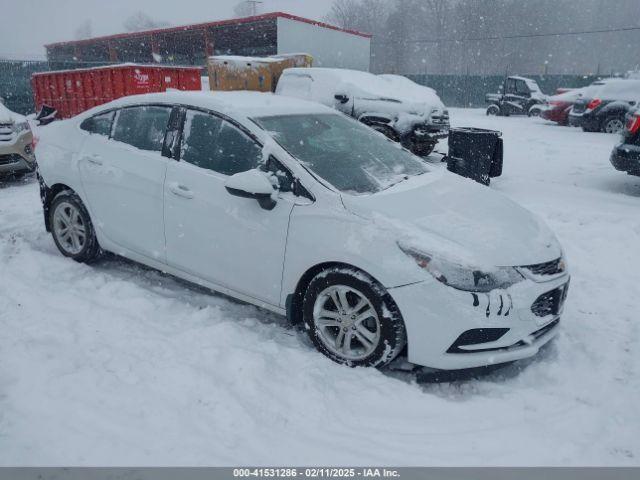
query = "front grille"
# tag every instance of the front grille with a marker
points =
(6, 132)
(9, 159)
(550, 303)
(440, 119)
(553, 267)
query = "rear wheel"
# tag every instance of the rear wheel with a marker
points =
(351, 318)
(72, 229)
(535, 111)
(493, 110)
(613, 124)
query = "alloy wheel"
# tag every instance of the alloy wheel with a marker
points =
(615, 125)
(69, 228)
(346, 322)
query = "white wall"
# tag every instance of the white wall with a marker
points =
(330, 48)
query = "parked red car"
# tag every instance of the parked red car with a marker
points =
(558, 106)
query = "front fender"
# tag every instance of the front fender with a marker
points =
(317, 236)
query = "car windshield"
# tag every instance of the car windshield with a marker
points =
(350, 156)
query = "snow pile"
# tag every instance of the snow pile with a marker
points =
(115, 364)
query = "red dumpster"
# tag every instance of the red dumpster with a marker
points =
(73, 91)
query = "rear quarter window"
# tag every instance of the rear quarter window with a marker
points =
(99, 124)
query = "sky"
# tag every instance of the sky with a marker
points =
(27, 25)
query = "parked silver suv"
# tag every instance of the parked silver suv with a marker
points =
(404, 111)
(16, 144)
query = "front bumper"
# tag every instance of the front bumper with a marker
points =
(16, 154)
(626, 158)
(450, 329)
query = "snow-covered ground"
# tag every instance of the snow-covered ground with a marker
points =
(114, 364)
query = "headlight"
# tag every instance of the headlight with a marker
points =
(21, 127)
(463, 277)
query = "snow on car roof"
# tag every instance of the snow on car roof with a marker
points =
(244, 103)
(532, 84)
(367, 84)
(570, 95)
(618, 89)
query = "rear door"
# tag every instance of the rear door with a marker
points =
(225, 239)
(123, 170)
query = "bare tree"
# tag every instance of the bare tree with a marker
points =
(84, 30)
(369, 16)
(140, 21)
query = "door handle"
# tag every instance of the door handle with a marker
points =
(94, 158)
(180, 190)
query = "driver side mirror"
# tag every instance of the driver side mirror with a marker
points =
(252, 184)
(341, 97)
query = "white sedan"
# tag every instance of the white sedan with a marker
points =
(298, 209)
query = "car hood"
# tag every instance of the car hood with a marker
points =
(7, 116)
(446, 215)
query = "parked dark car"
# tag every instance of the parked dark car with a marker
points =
(518, 96)
(626, 155)
(604, 108)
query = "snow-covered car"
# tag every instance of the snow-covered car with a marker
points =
(16, 144)
(603, 108)
(518, 96)
(399, 108)
(625, 156)
(296, 208)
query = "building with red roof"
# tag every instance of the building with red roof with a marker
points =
(260, 35)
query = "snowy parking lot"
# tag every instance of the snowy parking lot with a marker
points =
(115, 364)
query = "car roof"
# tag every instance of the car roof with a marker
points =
(343, 73)
(237, 103)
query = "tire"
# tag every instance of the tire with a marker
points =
(68, 212)
(613, 124)
(386, 130)
(329, 326)
(493, 110)
(422, 149)
(534, 111)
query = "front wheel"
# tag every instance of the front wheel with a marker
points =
(72, 229)
(386, 130)
(351, 319)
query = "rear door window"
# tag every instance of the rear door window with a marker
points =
(99, 124)
(143, 127)
(215, 144)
